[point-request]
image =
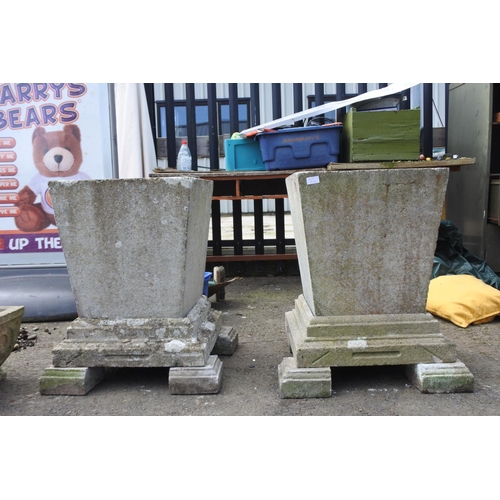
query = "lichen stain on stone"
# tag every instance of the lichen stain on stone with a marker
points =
(357, 344)
(175, 346)
(160, 332)
(136, 322)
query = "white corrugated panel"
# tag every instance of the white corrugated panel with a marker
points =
(268, 206)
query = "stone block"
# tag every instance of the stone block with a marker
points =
(226, 342)
(70, 381)
(135, 248)
(439, 378)
(196, 380)
(10, 322)
(296, 383)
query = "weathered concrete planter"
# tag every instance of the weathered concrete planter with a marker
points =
(365, 243)
(10, 322)
(136, 254)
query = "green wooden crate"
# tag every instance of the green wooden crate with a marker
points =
(381, 135)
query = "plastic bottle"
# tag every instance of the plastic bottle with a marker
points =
(184, 157)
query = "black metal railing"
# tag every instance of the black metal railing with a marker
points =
(215, 146)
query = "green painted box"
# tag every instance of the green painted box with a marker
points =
(381, 135)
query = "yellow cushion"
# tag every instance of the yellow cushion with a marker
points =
(463, 299)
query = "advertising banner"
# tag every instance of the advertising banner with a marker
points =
(48, 131)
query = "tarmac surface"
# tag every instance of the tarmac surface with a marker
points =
(255, 307)
(325, 448)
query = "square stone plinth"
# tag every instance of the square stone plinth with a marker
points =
(136, 342)
(369, 340)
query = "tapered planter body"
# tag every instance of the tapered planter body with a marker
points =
(134, 248)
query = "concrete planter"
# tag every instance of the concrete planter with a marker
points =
(365, 243)
(135, 251)
(10, 322)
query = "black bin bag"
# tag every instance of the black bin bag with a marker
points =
(451, 257)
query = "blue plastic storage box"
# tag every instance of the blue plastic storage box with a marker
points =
(300, 147)
(243, 154)
(205, 283)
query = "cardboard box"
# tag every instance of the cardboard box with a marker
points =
(381, 136)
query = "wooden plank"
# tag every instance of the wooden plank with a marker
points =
(450, 163)
(277, 174)
(232, 174)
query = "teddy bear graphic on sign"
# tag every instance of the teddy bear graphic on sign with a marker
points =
(57, 155)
